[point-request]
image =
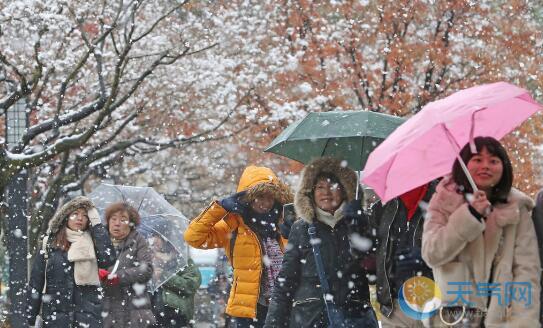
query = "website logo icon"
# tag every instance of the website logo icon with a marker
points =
(419, 298)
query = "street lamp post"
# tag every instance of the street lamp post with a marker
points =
(16, 195)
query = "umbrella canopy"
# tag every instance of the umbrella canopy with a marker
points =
(161, 234)
(161, 223)
(349, 136)
(425, 147)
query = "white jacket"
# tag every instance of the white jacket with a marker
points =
(460, 248)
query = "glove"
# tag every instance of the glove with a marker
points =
(93, 215)
(102, 274)
(234, 203)
(357, 218)
(353, 209)
(409, 261)
(113, 280)
(289, 216)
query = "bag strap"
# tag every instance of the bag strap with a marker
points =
(312, 230)
(46, 257)
(45, 246)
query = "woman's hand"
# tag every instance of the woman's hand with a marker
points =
(102, 274)
(480, 203)
(234, 203)
(93, 215)
(112, 280)
(285, 225)
(108, 278)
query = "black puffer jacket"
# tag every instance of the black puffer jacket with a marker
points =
(297, 295)
(65, 304)
(396, 234)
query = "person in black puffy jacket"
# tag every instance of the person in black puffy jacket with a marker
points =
(325, 199)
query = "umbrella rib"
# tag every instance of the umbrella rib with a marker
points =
(364, 140)
(388, 172)
(142, 198)
(325, 146)
(451, 138)
(120, 192)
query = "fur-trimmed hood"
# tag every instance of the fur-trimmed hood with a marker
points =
(61, 215)
(303, 200)
(258, 179)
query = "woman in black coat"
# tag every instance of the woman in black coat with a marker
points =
(325, 199)
(64, 284)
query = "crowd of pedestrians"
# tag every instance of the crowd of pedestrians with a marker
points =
(312, 270)
(444, 231)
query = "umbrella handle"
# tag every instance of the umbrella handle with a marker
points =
(456, 147)
(115, 267)
(357, 184)
(468, 175)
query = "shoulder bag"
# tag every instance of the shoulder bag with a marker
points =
(337, 318)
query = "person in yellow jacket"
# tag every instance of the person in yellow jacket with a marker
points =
(246, 225)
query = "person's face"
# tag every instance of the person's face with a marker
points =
(263, 203)
(328, 195)
(119, 225)
(486, 170)
(156, 243)
(78, 220)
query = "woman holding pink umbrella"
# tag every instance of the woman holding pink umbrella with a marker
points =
(481, 244)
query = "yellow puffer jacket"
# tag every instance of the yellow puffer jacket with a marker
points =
(214, 227)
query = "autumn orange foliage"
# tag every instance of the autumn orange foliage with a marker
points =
(396, 56)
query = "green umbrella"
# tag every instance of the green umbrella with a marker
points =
(349, 136)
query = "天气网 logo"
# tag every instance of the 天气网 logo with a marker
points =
(419, 298)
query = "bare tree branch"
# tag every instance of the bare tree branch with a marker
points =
(50, 124)
(160, 19)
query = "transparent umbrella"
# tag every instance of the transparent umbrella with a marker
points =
(168, 259)
(161, 224)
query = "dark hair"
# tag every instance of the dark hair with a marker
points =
(133, 214)
(501, 190)
(61, 240)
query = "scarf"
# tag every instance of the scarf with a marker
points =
(82, 254)
(330, 219)
(273, 258)
(117, 242)
(411, 200)
(264, 225)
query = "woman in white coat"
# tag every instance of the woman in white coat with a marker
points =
(484, 244)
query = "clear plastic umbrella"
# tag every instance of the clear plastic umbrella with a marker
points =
(161, 224)
(168, 259)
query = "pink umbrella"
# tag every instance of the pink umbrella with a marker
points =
(425, 146)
